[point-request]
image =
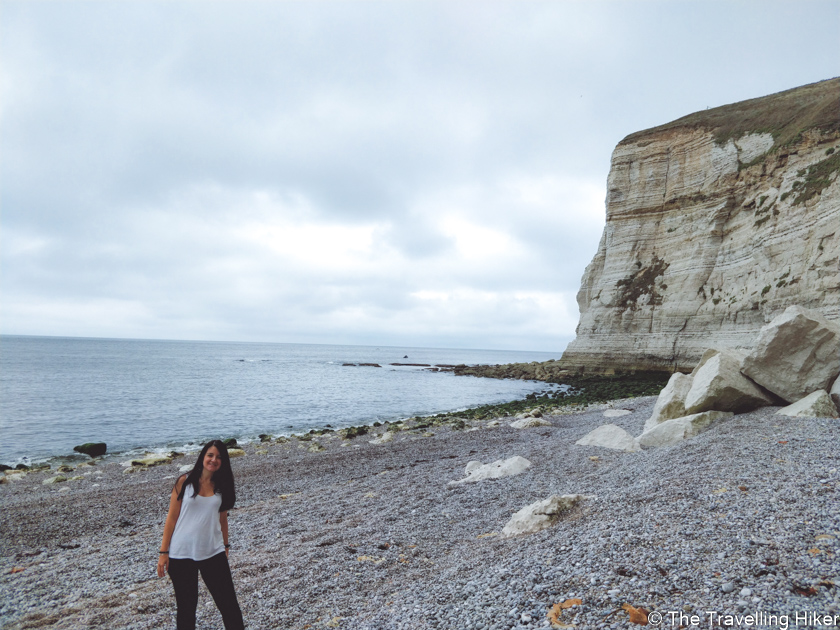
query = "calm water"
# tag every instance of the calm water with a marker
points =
(56, 392)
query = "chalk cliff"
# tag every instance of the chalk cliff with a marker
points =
(715, 223)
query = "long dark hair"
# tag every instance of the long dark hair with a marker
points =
(222, 479)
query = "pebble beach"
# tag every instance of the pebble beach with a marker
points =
(737, 527)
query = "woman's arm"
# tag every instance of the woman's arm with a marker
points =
(224, 523)
(169, 527)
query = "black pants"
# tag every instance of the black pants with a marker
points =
(215, 572)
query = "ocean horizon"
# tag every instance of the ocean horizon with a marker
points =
(140, 395)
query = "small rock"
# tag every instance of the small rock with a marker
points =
(529, 423)
(539, 515)
(150, 461)
(728, 587)
(384, 438)
(610, 436)
(476, 471)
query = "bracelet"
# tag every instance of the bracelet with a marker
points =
(227, 546)
(160, 553)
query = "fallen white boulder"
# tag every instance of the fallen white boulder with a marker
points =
(708, 354)
(815, 405)
(529, 423)
(476, 471)
(610, 436)
(540, 515)
(834, 392)
(679, 429)
(671, 401)
(719, 385)
(795, 354)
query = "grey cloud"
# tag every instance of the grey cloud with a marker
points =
(348, 114)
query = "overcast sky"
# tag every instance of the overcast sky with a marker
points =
(387, 173)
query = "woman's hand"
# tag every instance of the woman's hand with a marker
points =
(163, 564)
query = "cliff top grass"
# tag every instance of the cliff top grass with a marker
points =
(786, 115)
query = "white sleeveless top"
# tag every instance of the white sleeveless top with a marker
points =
(198, 531)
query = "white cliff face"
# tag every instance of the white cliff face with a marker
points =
(705, 243)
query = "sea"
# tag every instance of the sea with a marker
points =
(154, 396)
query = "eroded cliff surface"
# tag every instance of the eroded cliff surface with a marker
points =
(715, 223)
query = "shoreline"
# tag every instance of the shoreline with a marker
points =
(344, 533)
(542, 400)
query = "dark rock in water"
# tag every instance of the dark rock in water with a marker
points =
(21, 467)
(94, 449)
(264, 437)
(369, 365)
(4, 468)
(230, 443)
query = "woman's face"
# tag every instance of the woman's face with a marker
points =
(212, 459)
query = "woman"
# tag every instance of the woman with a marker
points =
(195, 537)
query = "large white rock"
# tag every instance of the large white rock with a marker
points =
(679, 429)
(540, 515)
(708, 354)
(476, 471)
(610, 436)
(671, 401)
(795, 354)
(719, 385)
(817, 404)
(834, 392)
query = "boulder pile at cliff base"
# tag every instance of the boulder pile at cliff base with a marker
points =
(795, 359)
